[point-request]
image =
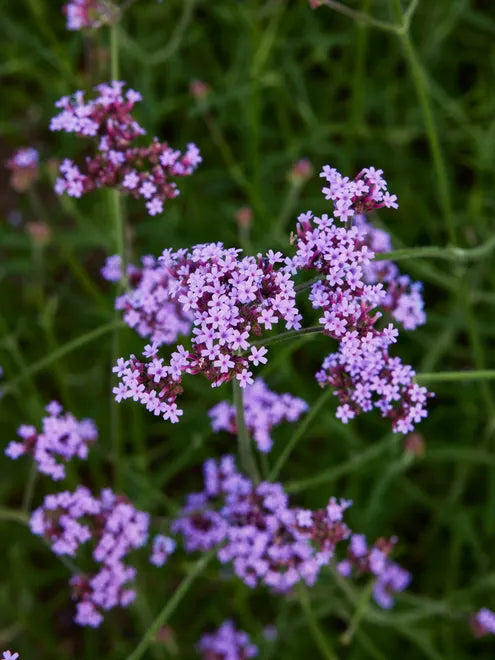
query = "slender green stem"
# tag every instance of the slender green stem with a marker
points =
(114, 50)
(449, 376)
(361, 17)
(29, 488)
(320, 639)
(14, 516)
(119, 233)
(70, 346)
(448, 253)
(288, 205)
(361, 607)
(244, 441)
(171, 606)
(300, 431)
(421, 85)
(285, 336)
(353, 464)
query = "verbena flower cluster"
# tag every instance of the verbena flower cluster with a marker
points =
(362, 372)
(68, 520)
(82, 14)
(7, 655)
(264, 539)
(231, 299)
(226, 643)
(24, 168)
(483, 622)
(62, 437)
(148, 305)
(403, 299)
(361, 558)
(143, 172)
(263, 410)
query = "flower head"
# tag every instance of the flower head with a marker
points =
(62, 437)
(142, 172)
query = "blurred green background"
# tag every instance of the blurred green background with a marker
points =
(285, 82)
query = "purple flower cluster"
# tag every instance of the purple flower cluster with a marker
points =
(24, 168)
(147, 304)
(226, 643)
(69, 520)
(143, 172)
(265, 539)
(391, 577)
(89, 13)
(62, 436)
(483, 622)
(367, 192)
(162, 548)
(230, 299)
(403, 299)
(362, 371)
(263, 410)
(7, 655)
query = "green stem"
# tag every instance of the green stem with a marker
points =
(318, 636)
(29, 489)
(244, 441)
(421, 86)
(448, 253)
(450, 376)
(360, 611)
(361, 17)
(300, 431)
(14, 516)
(70, 346)
(119, 231)
(114, 50)
(171, 606)
(285, 336)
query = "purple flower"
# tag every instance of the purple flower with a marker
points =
(226, 643)
(349, 292)
(148, 305)
(163, 547)
(263, 410)
(112, 270)
(7, 655)
(115, 528)
(24, 168)
(403, 299)
(89, 14)
(483, 622)
(269, 542)
(139, 171)
(225, 296)
(62, 436)
(264, 539)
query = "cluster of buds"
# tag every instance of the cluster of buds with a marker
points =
(143, 172)
(24, 168)
(62, 436)
(68, 520)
